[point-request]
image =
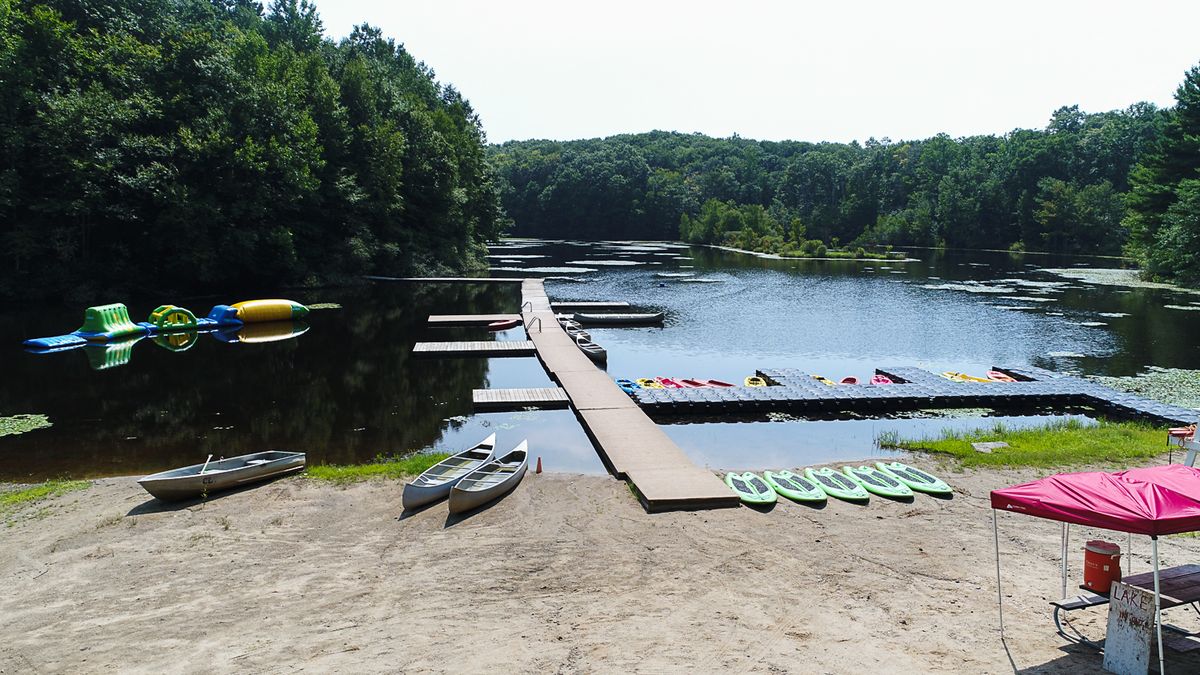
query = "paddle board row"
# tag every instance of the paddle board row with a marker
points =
(852, 483)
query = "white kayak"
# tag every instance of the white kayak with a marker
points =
(436, 481)
(490, 481)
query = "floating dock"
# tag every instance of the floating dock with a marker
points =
(488, 348)
(469, 319)
(449, 280)
(501, 400)
(796, 391)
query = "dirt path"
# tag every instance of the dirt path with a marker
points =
(566, 574)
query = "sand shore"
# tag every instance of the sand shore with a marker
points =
(567, 574)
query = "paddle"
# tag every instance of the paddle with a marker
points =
(205, 464)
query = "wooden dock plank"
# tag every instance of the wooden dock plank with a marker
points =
(557, 306)
(492, 348)
(469, 319)
(519, 399)
(450, 280)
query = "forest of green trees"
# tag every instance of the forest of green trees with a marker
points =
(170, 145)
(1088, 183)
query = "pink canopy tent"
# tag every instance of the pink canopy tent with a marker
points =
(1151, 501)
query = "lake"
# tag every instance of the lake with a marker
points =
(345, 387)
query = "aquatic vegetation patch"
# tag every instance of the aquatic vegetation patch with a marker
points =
(547, 270)
(1189, 308)
(970, 287)
(1061, 443)
(1115, 277)
(14, 425)
(606, 263)
(1176, 386)
(324, 305)
(401, 467)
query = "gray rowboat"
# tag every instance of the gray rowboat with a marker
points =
(436, 481)
(200, 479)
(620, 319)
(490, 481)
(593, 351)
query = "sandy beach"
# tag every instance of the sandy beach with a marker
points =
(567, 574)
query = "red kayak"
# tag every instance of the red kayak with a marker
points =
(503, 325)
(668, 383)
(881, 379)
(997, 376)
(693, 383)
(850, 380)
(718, 383)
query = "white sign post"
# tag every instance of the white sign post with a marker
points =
(1130, 630)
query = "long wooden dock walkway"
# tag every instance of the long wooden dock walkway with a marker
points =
(633, 446)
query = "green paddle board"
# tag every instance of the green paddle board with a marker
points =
(837, 485)
(750, 488)
(794, 487)
(916, 478)
(877, 481)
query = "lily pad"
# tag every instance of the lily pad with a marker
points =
(14, 425)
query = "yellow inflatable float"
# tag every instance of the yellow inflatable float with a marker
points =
(259, 311)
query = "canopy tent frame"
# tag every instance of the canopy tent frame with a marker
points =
(1151, 501)
(1157, 589)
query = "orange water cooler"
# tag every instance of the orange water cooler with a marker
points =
(1101, 565)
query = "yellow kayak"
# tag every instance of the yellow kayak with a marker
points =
(963, 377)
(648, 383)
(753, 381)
(824, 380)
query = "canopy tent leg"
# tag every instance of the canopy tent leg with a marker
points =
(1157, 605)
(1066, 530)
(1129, 554)
(999, 591)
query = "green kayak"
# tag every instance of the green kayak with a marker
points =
(750, 488)
(837, 485)
(915, 478)
(877, 481)
(795, 487)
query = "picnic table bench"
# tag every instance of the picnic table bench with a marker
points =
(1177, 585)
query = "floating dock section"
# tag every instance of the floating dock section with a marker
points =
(469, 319)
(488, 348)
(796, 391)
(497, 400)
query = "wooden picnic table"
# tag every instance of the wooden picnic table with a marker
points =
(1177, 586)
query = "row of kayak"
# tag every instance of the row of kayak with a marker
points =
(852, 483)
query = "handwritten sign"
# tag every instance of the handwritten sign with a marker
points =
(1130, 630)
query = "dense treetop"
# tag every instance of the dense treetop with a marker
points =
(166, 145)
(1063, 188)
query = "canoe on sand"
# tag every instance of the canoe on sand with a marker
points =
(198, 480)
(490, 481)
(436, 481)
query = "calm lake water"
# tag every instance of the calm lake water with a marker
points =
(344, 387)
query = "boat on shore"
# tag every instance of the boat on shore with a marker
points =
(435, 482)
(490, 481)
(200, 480)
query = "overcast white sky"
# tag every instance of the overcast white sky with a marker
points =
(835, 71)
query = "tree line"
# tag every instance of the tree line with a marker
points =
(1076, 186)
(175, 145)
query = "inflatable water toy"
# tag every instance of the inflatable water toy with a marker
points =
(256, 333)
(105, 323)
(258, 311)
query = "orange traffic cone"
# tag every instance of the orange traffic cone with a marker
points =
(539, 466)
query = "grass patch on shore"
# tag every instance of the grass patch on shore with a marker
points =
(1062, 443)
(14, 499)
(402, 467)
